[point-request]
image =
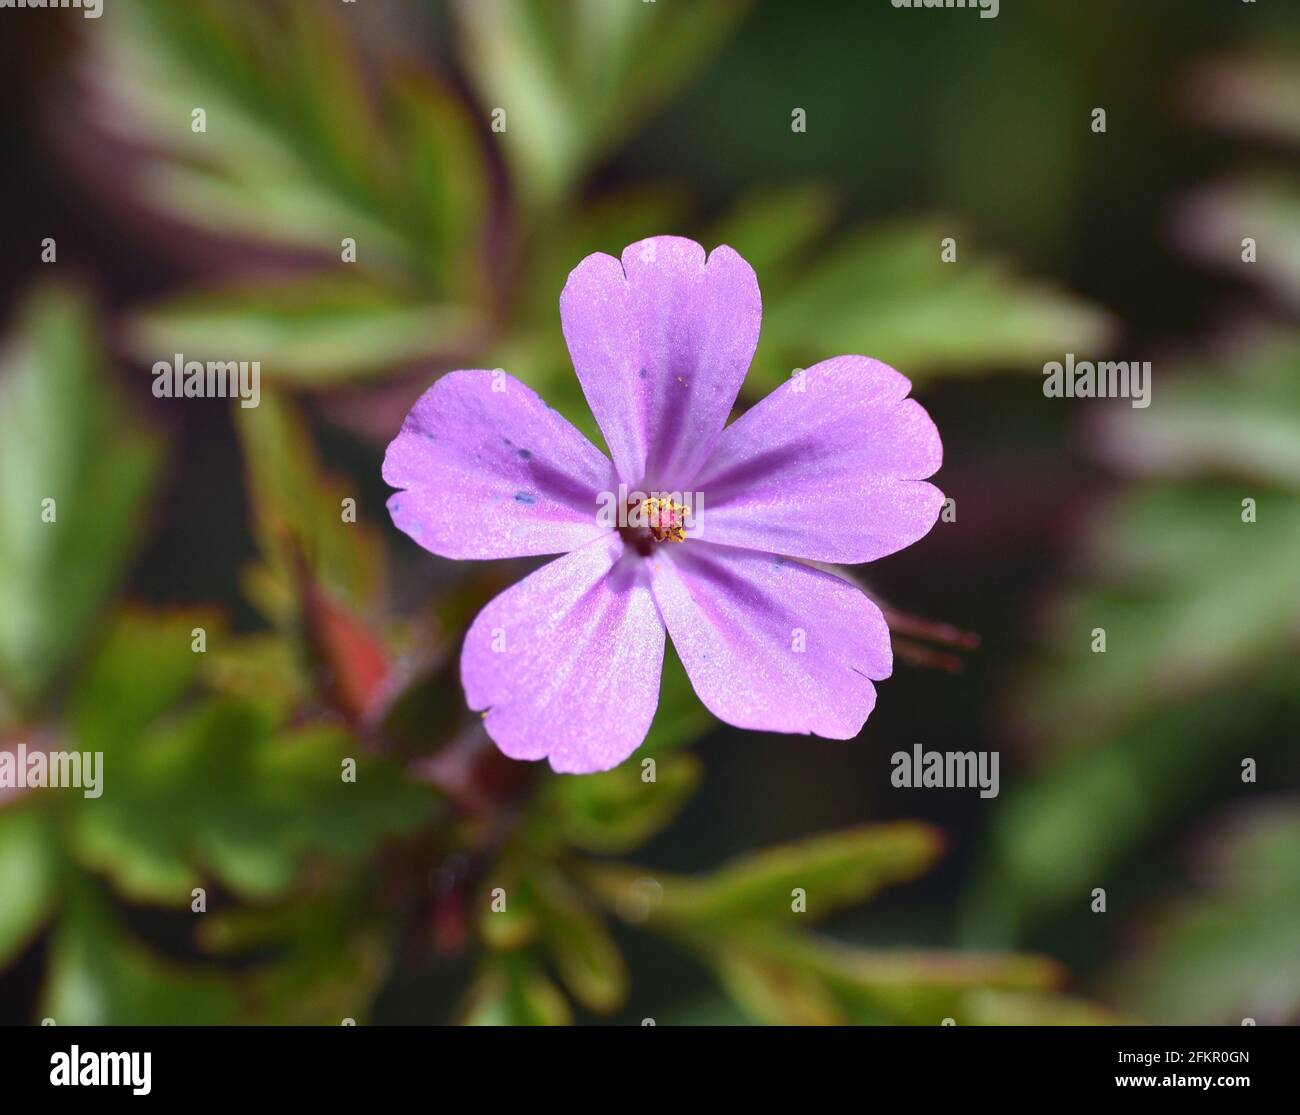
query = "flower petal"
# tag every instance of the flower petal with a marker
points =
(772, 644)
(661, 344)
(828, 467)
(567, 662)
(491, 471)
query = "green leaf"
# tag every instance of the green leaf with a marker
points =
(63, 437)
(512, 990)
(1175, 624)
(298, 516)
(990, 1007)
(833, 871)
(313, 331)
(300, 147)
(885, 292)
(775, 229)
(217, 792)
(579, 945)
(774, 992)
(616, 811)
(516, 924)
(1234, 416)
(110, 703)
(798, 979)
(1065, 826)
(1199, 610)
(99, 976)
(29, 867)
(575, 78)
(1227, 951)
(264, 669)
(330, 956)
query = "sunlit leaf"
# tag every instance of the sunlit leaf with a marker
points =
(885, 292)
(310, 331)
(774, 992)
(574, 78)
(835, 870)
(298, 147)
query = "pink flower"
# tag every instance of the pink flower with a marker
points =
(830, 467)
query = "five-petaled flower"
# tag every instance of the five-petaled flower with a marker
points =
(829, 468)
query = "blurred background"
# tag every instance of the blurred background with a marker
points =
(229, 873)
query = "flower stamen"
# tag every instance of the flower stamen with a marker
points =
(665, 519)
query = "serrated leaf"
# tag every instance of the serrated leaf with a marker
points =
(833, 871)
(312, 331)
(913, 987)
(328, 956)
(885, 292)
(300, 146)
(795, 979)
(574, 78)
(216, 792)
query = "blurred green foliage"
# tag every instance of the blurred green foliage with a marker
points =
(1190, 570)
(226, 770)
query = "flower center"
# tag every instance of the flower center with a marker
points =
(664, 519)
(655, 518)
